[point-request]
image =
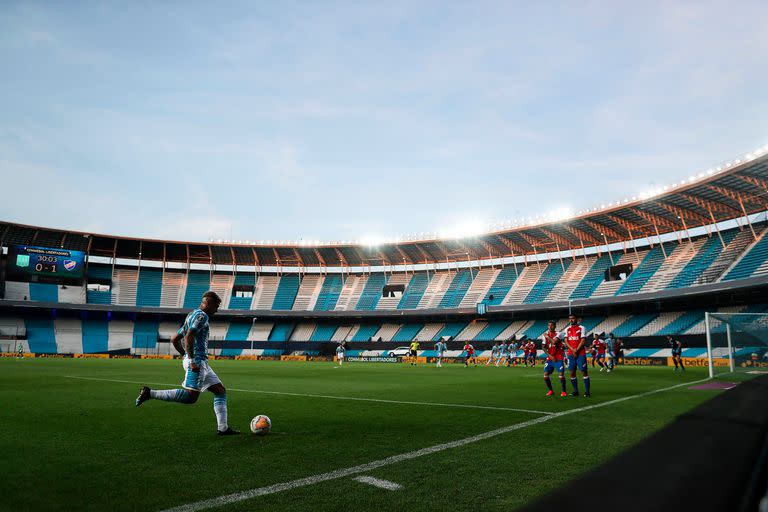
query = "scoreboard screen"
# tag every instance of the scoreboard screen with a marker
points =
(28, 263)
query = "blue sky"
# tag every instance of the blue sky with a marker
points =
(326, 120)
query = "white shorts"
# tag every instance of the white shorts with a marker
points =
(340, 357)
(199, 381)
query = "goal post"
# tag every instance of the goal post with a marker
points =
(736, 342)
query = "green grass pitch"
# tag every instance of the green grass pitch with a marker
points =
(73, 444)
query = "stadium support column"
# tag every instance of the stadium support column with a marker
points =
(608, 249)
(685, 227)
(746, 216)
(714, 222)
(709, 345)
(730, 346)
(663, 250)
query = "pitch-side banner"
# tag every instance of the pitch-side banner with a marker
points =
(372, 359)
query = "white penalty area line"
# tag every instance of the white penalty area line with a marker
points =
(377, 482)
(333, 397)
(370, 466)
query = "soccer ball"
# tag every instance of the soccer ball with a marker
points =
(260, 425)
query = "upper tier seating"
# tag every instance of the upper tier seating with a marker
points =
(309, 291)
(457, 289)
(286, 292)
(650, 264)
(329, 293)
(549, 278)
(351, 293)
(572, 277)
(435, 290)
(592, 279)
(197, 284)
(709, 251)
(375, 285)
(174, 286)
(479, 288)
(728, 255)
(524, 283)
(673, 265)
(245, 280)
(501, 286)
(149, 287)
(753, 263)
(414, 291)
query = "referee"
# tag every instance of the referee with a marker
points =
(414, 351)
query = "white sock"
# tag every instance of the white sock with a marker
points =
(220, 408)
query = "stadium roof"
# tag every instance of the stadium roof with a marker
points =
(734, 190)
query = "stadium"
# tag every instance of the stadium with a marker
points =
(641, 269)
(605, 350)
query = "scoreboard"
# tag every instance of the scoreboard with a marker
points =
(45, 264)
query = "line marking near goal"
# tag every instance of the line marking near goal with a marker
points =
(378, 482)
(332, 397)
(394, 459)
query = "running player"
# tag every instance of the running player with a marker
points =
(414, 352)
(524, 348)
(677, 352)
(440, 348)
(609, 353)
(191, 341)
(20, 351)
(532, 352)
(341, 352)
(593, 349)
(601, 348)
(494, 354)
(618, 350)
(514, 347)
(575, 339)
(503, 353)
(469, 354)
(554, 350)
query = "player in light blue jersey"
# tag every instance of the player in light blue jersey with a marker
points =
(503, 353)
(494, 354)
(191, 341)
(440, 348)
(341, 352)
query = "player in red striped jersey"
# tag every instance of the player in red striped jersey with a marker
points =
(554, 350)
(575, 339)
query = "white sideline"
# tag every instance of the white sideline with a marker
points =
(378, 482)
(331, 397)
(370, 466)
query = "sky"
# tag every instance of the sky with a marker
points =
(358, 120)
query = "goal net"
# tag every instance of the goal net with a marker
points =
(736, 342)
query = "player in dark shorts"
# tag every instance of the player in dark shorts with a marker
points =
(593, 350)
(470, 354)
(677, 352)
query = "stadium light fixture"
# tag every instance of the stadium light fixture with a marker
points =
(560, 214)
(372, 240)
(467, 229)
